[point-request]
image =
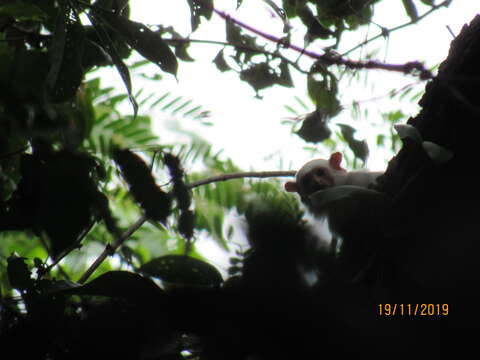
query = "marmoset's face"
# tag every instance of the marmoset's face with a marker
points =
(316, 178)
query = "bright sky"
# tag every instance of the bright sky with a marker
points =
(249, 129)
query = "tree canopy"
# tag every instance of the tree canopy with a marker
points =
(99, 219)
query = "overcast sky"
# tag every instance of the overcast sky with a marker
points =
(248, 129)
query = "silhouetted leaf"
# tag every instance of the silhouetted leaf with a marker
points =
(246, 44)
(199, 9)
(183, 270)
(180, 191)
(186, 222)
(180, 43)
(324, 93)
(181, 48)
(66, 181)
(314, 128)
(93, 53)
(109, 47)
(55, 196)
(410, 9)
(315, 29)
(148, 43)
(18, 273)
(359, 147)
(220, 62)
(155, 202)
(234, 33)
(285, 77)
(259, 76)
(66, 71)
(119, 284)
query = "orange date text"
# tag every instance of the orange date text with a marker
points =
(412, 309)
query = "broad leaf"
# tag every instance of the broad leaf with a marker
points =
(183, 270)
(324, 93)
(199, 9)
(359, 147)
(148, 43)
(119, 284)
(314, 127)
(109, 47)
(18, 273)
(410, 9)
(66, 70)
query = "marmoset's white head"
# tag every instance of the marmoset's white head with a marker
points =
(318, 174)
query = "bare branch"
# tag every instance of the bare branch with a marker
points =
(239, 175)
(110, 249)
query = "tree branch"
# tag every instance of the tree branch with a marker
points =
(239, 175)
(329, 59)
(111, 248)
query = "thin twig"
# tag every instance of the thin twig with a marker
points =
(450, 31)
(76, 245)
(389, 94)
(388, 31)
(111, 248)
(239, 46)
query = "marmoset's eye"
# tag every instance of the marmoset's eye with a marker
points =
(320, 172)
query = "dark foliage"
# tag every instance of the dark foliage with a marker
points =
(53, 185)
(268, 312)
(181, 194)
(154, 201)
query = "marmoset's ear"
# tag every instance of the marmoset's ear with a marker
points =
(335, 161)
